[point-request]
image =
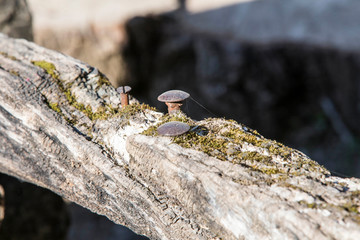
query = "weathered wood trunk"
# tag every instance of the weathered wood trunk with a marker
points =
(61, 128)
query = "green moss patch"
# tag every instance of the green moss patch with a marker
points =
(102, 113)
(228, 141)
(55, 107)
(106, 112)
(103, 80)
(133, 109)
(48, 67)
(352, 210)
(210, 144)
(14, 72)
(8, 56)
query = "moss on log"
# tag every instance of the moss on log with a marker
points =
(62, 128)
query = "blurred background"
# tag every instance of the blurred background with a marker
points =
(288, 68)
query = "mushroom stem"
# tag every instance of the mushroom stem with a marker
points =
(124, 95)
(124, 98)
(173, 99)
(173, 106)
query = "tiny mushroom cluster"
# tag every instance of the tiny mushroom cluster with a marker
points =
(174, 100)
(174, 128)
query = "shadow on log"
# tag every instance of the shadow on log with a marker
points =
(62, 128)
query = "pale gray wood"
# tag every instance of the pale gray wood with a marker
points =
(149, 184)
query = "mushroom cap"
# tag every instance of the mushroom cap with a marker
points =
(174, 128)
(123, 89)
(173, 96)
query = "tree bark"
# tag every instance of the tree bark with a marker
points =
(61, 128)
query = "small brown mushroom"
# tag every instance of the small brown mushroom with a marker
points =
(174, 128)
(124, 97)
(173, 99)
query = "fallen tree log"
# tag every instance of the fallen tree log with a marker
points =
(62, 128)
